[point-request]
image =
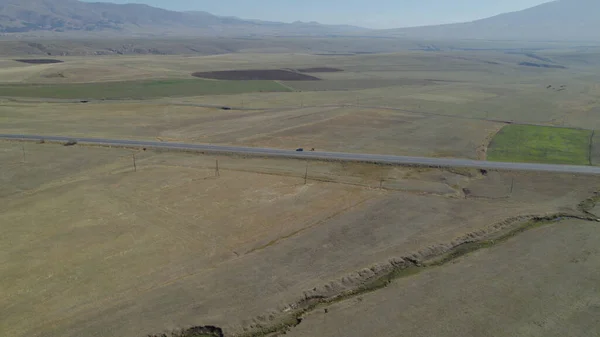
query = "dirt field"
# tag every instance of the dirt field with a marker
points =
(95, 248)
(542, 283)
(253, 75)
(39, 61)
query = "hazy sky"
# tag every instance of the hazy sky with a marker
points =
(373, 13)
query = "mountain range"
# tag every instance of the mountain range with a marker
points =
(69, 16)
(554, 21)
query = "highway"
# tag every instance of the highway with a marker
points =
(336, 156)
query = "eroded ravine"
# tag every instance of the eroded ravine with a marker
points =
(381, 275)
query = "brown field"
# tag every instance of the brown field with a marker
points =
(39, 61)
(253, 75)
(541, 283)
(95, 248)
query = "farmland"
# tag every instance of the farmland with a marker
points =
(595, 149)
(137, 89)
(526, 143)
(410, 103)
(121, 243)
(38, 61)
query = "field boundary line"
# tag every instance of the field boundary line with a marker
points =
(591, 147)
(285, 85)
(310, 226)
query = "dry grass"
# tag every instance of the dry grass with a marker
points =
(99, 249)
(104, 232)
(541, 283)
(92, 248)
(347, 129)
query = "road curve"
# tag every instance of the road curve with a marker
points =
(338, 156)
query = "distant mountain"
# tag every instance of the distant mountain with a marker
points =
(573, 20)
(72, 16)
(558, 20)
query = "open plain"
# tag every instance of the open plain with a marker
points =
(444, 104)
(100, 248)
(120, 243)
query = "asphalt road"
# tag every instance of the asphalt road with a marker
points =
(349, 157)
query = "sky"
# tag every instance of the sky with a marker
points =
(366, 13)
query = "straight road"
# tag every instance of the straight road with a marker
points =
(338, 156)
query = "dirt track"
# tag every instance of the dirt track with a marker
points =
(320, 70)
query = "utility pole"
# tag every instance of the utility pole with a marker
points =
(217, 173)
(23, 148)
(134, 164)
(306, 174)
(512, 186)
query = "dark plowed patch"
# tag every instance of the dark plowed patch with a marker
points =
(251, 75)
(39, 61)
(320, 70)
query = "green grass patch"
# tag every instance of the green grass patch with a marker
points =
(595, 151)
(541, 144)
(139, 89)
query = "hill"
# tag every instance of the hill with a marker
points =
(557, 21)
(72, 16)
